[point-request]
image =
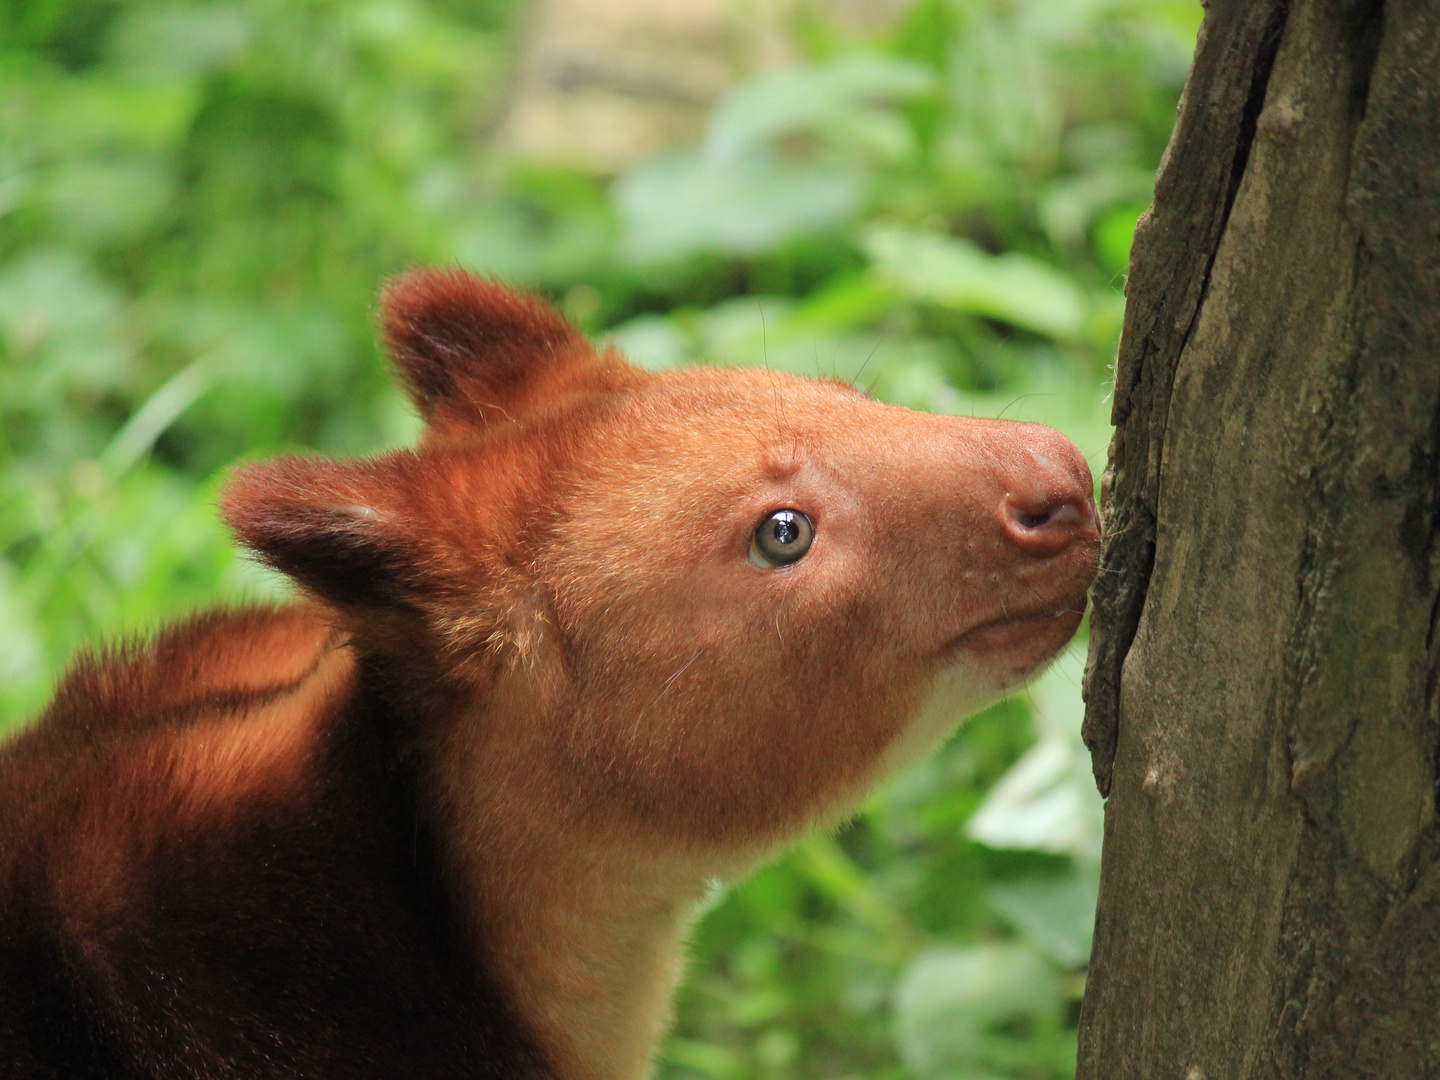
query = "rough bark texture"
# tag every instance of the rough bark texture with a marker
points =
(1262, 681)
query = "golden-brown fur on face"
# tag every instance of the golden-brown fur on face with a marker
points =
(733, 705)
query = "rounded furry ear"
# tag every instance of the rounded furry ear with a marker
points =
(335, 527)
(474, 351)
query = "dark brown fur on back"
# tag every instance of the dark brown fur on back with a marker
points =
(145, 932)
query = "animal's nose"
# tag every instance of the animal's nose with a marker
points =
(1050, 502)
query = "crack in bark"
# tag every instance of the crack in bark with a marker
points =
(1153, 341)
(1269, 47)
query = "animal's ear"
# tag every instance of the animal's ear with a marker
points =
(338, 528)
(473, 351)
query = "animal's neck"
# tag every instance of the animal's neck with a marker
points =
(581, 927)
(589, 956)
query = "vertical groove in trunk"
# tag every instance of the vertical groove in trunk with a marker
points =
(1174, 251)
(1262, 683)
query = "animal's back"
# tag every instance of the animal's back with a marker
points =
(180, 834)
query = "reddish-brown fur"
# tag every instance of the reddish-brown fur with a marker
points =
(450, 816)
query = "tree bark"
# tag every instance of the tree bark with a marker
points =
(1263, 657)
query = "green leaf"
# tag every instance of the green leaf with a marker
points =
(708, 1059)
(1055, 915)
(1013, 288)
(160, 42)
(1070, 205)
(1047, 801)
(976, 1013)
(1114, 234)
(652, 341)
(100, 201)
(688, 203)
(802, 99)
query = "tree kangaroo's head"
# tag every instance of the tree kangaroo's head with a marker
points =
(712, 601)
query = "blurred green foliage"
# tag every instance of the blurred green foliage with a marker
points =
(198, 200)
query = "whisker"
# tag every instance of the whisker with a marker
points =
(879, 341)
(635, 729)
(780, 423)
(764, 342)
(1022, 397)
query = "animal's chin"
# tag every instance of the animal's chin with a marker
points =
(1015, 645)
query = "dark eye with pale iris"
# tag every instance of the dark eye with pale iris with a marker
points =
(781, 539)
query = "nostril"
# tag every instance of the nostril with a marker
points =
(1057, 511)
(1047, 506)
(1047, 525)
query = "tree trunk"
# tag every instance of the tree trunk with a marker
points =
(1263, 656)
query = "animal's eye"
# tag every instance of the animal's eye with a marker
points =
(781, 539)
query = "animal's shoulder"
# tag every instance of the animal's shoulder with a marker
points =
(204, 870)
(180, 731)
(220, 660)
(144, 730)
